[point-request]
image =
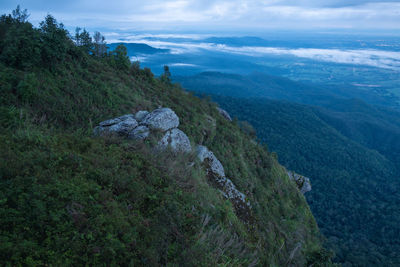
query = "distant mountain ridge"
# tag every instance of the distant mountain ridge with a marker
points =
(138, 48)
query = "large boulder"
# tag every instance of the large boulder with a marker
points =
(224, 114)
(176, 140)
(139, 133)
(302, 182)
(121, 125)
(124, 127)
(140, 115)
(162, 119)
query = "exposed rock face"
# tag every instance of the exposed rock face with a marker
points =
(302, 182)
(139, 133)
(121, 125)
(214, 165)
(217, 176)
(116, 120)
(124, 127)
(162, 119)
(140, 126)
(176, 140)
(224, 114)
(140, 115)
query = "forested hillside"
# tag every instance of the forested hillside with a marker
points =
(355, 195)
(275, 87)
(376, 128)
(68, 198)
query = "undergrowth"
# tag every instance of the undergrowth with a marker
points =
(69, 199)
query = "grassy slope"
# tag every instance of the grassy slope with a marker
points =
(69, 198)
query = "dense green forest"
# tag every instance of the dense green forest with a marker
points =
(349, 149)
(355, 195)
(377, 128)
(275, 87)
(68, 198)
(374, 126)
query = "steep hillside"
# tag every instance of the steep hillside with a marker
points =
(70, 198)
(355, 195)
(373, 127)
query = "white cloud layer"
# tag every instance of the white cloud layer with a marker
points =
(373, 58)
(367, 57)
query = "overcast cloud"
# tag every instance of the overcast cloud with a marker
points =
(221, 15)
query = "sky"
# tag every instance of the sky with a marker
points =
(215, 15)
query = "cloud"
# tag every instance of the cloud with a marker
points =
(182, 65)
(216, 15)
(366, 57)
(331, 3)
(373, 58)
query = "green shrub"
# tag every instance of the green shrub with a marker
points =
(68, 198)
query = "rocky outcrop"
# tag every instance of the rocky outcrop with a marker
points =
(163, 119)
(121, 125)
(176, 140)
(139, 133)
(216, 174)
(116, 120)
(224, 114)
(214, 165)
(140, 126)
(302, 182)
(140, 115)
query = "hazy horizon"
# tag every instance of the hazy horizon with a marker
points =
(237, 16)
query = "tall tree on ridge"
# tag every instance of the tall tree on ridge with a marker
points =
(100, 48)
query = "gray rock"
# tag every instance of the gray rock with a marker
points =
(116, 120)
(306, 185)
(121, 125)
(224, 114)
(140, 115)
(302, 182)
(139, 133)
(216, 173)
(177, 140)
(240, 202)
(127, 116)
(109, 122)
(214, 165)
(230, 192)
(162, 119)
